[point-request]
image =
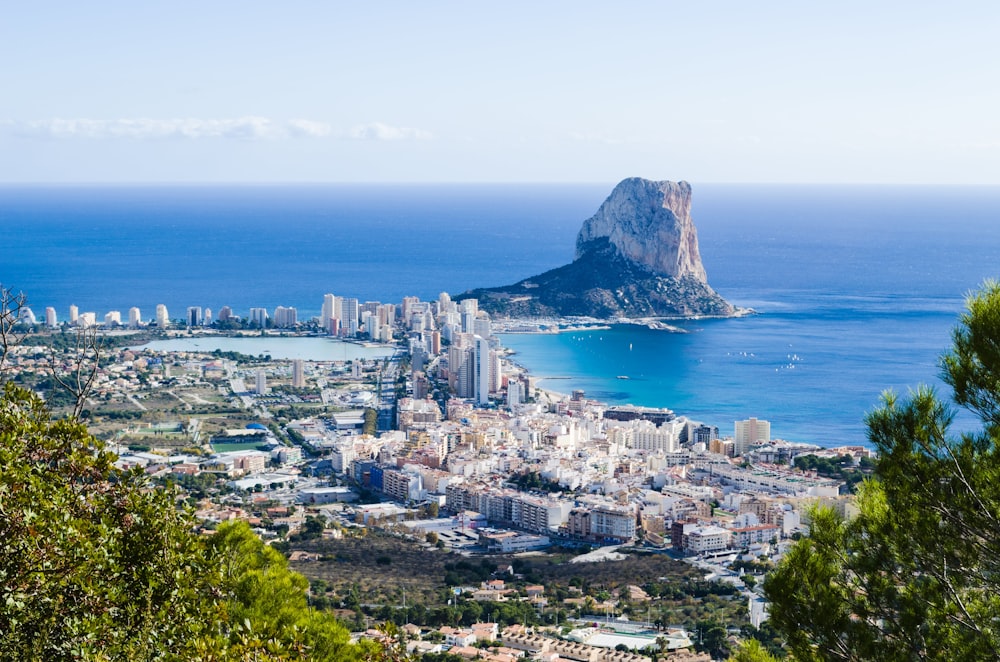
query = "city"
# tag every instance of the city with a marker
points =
(440, 437)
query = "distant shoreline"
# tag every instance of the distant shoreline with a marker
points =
(556, 325)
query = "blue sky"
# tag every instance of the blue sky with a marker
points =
(881, 92)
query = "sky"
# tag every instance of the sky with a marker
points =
(707, 91)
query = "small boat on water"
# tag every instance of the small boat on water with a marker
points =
(623, 376)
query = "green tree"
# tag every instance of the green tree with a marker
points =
(751, 650)
(267, 598)
(713, 639)
(370, 426)
(92, 564)
(917, 574)
(97, 564)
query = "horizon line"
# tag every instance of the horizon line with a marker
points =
(277, 183)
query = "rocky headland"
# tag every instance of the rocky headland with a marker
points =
(637, 257)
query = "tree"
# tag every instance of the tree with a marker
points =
(370, 426)
(78, 371)
(751, 650)
(97, 564)
(11, 306)
(917, 574)
(713, 639)
(270, 600)
(92, 563)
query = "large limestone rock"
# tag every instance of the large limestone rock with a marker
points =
(650, 224)
(636, 257)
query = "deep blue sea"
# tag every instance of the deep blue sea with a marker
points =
(857, 286)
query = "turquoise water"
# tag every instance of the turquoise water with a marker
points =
(813, 378)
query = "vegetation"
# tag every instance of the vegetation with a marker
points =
(371, 422)
(239, 357)
(915, 575)
(350, 572)
(841, 468)
(534, 481)
(95, 565)
(751, 650)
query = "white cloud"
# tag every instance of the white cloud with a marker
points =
(309, 128)
(246, 128)
(239, 128)
(379, 131)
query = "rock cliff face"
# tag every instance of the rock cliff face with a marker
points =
(650, 224)
(636, 257)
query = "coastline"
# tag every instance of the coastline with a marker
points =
(550, 395)
(556, 325)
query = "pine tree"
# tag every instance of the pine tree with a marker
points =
(916, 575)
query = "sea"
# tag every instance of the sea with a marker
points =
(856, 288)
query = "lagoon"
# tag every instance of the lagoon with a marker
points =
(278, 348)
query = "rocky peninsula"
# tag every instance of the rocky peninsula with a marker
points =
(637, 257)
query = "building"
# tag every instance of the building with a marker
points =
(514, 394)
(113, 318)
(193, 316)
(704, 434)
(386, 314)
(632, 413)
(511, 542)
(648, 436)
(327, 312)
(162, 317)
(611, 522)
(749, 432)
(351, 318)
(481, 326)
(285, 317)
(284, 455)
(322, 495)
(602, 522)
(706, 539)
(261, 383)
(461, 371)
(483, 368)
(259, 317)
(298, 373)
(50, 318)
(134, 317)
(750, 535)
(759, 480)
(400, 486)
(410, 412)
(74, 314)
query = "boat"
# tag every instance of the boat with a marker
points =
(623, 376)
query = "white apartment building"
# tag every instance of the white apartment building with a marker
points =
(162, 317)
(608, 521)
(749, 432)
(705, 539)
(285, 317)
(758, 480)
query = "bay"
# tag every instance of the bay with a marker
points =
(862, 284)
